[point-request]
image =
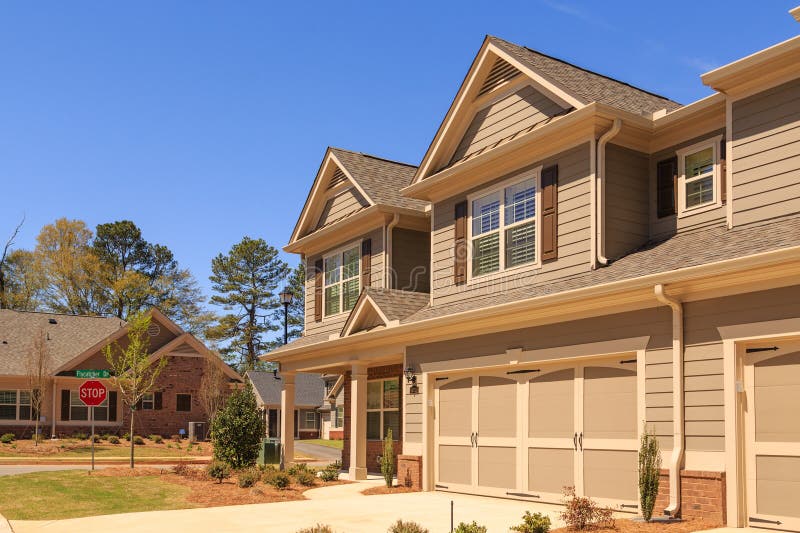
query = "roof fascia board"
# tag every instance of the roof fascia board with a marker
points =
(311, 194)
(689, 110)
(725, 77)
(709, 271)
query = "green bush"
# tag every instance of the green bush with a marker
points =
(158, 439)
(319, 528)
(296, 468)
(470, 528)
(248, 478)
(406, 527)
(387, 459)
(113, 439)
(218, 470)
(7, 438)
(80, 435)
(139, 441)
(96, 438)
(280, 480)
(330, 472)
(305, 478)
(649, 471)
(533, 523)
(237, 429)
(126, 436)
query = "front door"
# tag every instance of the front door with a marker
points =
(772, 430)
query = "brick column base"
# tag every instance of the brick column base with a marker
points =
(409, 471)
(702, 495)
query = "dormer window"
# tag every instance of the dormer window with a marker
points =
(503, 222)
(342, 280)
(699, 177)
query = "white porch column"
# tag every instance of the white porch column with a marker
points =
(287, 422)
(358, 422)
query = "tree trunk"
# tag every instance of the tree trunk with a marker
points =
(133, 412)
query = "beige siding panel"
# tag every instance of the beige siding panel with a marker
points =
(659, 399)
(341, 205)
(694, 383)
(659, 414)
(659, 356)
(659, 385)
(705, 444)
(705, 413)
(766, 167)
(663, 370)
(411, 257)
(708, 367)
(705, 428)
(702, 398)
(510, 114)
(627, 191)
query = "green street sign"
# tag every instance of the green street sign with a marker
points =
(92, 374)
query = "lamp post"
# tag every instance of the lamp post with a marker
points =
(286, 299)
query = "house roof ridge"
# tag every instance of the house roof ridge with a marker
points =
(79, 315)
(371, 156)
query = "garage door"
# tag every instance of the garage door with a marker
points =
(528, 433)
(772, 425)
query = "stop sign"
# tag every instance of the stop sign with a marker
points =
(92, 393)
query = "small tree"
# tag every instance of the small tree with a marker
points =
(39, 372)
(212, 387)
(387, 459)
(134, 371)
(649, 471)
(237, 429)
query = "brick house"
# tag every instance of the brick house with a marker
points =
(574, 260)
(76, 342)
(308, 401)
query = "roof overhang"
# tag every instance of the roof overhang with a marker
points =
(761, 69)
(756, 272)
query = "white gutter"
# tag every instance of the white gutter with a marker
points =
(387, 278)
(676, 459)
(600, 191)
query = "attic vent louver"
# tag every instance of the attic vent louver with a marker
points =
(501, 72)
(337, 178)
(52, 321)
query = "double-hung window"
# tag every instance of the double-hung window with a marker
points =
(503, 226)
(148, 401)
(383, 408)
(79, 411)
(342, 280)
(339, 423)
(8, 404)
(699, 180)
(311, 420)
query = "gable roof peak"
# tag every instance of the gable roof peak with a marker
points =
(335, 149)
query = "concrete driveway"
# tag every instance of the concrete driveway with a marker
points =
(322, 453)
(11, 470)
(342, 507)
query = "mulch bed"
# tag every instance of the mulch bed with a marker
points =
(383, 489)
(629, 526)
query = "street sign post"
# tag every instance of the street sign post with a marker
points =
(92, 393)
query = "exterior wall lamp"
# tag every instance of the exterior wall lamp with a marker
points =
(411, 379)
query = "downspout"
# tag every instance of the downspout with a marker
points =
(388, 240)
(674, 507)
(600, 191)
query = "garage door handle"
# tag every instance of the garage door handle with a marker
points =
(575, 441)
(580, 440)
(472, 439)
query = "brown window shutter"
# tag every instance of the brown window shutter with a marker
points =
(366, 262)
(723, 178)
(550, 213)
(318, 290)
(112, 406)
(64, 404)
(158, 400)
(139, 405)
(460, 245)
(667, 187)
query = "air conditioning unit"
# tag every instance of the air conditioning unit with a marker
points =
(197, 431)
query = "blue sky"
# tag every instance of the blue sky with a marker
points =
(206, 121)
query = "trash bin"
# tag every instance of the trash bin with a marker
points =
(269, 452)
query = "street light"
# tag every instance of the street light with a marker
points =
(286, 297)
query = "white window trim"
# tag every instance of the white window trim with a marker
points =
(88, 409)
(18, 405)
(313, 422)
(339, 251)
(535, 173)
(383, 409)
(714, 144)
(336, 423)
(150, 398)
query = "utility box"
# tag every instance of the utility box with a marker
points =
(197, 431)
(269, 452)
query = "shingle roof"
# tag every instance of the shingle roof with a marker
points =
(587, 85)
(70, 336)
(397, 304)
(309, 389)
(381, 179)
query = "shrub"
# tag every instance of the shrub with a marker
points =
(139, 441)
(126, 436)
(7, 438)
(181, 469)
(296, 468)
(387, 459)
(330, 472)
(248, 478)
(406, 527)
(583, 513)
(113, 439)
(319, 528)
(80, 435)
(218, 470)
(237, 429)
(280, 480)
(470, 528)
(533, 523)
(649, 470)
(96, 438)
(305, 478)
(158, 439)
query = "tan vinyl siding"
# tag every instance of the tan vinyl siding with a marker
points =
(766, 154)
(627, 191)
(412, 416)
(669, 225)
(334, 324)
(505, 116)
(573, 233)
(411, 259)
(341, 205)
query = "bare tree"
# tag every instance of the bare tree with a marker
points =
(134, 370)
(39, 368)
(213, 385)
(6, 248)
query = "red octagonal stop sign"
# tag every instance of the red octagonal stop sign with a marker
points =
(92, 393)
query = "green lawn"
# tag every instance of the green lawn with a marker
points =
(75, 493)
(110, 450)
(338, 444)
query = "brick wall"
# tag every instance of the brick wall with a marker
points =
(702, 495)
(409, 471)
(374, 447)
